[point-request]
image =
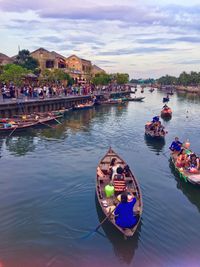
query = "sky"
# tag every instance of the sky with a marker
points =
(144, 38)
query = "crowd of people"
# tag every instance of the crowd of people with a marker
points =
(185, 159)
(49, 90)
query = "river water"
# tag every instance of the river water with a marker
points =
(47, 190)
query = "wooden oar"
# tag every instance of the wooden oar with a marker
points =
(57, 121)
(12, 132)
(46, 124)
(99, 225)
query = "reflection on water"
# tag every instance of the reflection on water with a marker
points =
(155, 145)
(166, 118)
(123, 249)
(20, 145)
(47, 190)
(189, 190)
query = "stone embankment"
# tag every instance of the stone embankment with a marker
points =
(188, 89)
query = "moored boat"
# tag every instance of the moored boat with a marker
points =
(113, 101)
(108, 204)
(10, 126)
(84, 106)
(24, 122)
(137, 99)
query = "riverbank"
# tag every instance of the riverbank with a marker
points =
(10, 107)
(188, 89)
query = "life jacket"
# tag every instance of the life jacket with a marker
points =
(119, 184)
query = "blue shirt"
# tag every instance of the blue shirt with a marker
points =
(176, 145)
(125, 215)
(155, 119)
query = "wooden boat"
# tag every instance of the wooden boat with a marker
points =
(113, 101)
(84, 106)
(151, 90)
(110, 203)
(170, 93)
(184, 174)
(58, 112)
(138, 99)
(9, 125)
(166, 112)
(152, 133)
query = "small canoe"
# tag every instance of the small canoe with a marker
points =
(139, 99)
(184, 174)
(84, 106)
(113, 102)
(16, 125)
(166, 112)
(152, 133)
(109, 203)
(20, 126)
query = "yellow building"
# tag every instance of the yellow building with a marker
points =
(5, 59)
(49, 60)
(81, 70)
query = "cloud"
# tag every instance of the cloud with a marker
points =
(168, 40)
(152, 33)
(138, 50)
(189, 62)
(50, 39)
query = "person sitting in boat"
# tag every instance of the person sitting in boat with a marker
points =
(175, 145)
(165, 106)
(113, 168)
(119, 181)
(193, 163)
(100, 173)
(182, 159)
(155, 119)
(125, 217)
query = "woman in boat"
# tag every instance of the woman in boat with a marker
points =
(193, 163)
(182, 159)
(113, 168)
(125, 217)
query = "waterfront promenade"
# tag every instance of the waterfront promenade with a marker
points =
(27, 105)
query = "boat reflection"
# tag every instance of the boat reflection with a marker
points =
(166, 118)
(189, 190)
(155, 145)
(123, 249)
(20, 145)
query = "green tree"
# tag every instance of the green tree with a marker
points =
(25, 60)
(13, 73)
(121, 78)
(56, 75)
(167, 80)
(101, 79)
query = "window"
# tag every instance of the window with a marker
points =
(49, 64)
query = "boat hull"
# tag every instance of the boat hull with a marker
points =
(132, 184)
(184, 175)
